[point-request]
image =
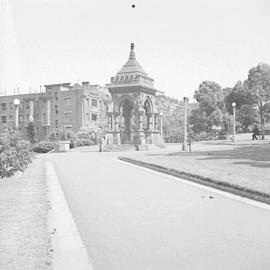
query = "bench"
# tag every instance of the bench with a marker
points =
(260, 135)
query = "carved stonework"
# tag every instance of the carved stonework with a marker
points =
(134, 106)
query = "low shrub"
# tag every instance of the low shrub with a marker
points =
(44, 147)
(89, 133)
(210, 136)
(15, 153)
(81, 142)
(60, 134)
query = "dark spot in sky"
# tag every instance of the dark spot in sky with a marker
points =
(133, 6)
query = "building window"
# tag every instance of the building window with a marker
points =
(45, 130)
(68, 128)
(94, 117)
(94, 102)
(56, 109)
(88, 117)
(56, 123)
(4, 106)
(11, 117)
(4, 119)
(10, 106)
(68, 116)
(68, 101)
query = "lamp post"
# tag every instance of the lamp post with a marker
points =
(184, 145)
(17, 104)
(161, 124)
(234, 129)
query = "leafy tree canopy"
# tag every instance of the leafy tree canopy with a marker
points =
(259, 81)
(247, 115)
(239, 94)
(209, 96)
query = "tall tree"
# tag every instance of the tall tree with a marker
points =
(211, 104)
(209, 96)
(258, 83)
(241, 95)
(247, 115)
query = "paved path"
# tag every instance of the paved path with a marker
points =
(131, 218)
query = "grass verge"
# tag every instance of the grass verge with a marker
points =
(224, 186)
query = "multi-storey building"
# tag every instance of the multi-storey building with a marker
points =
(60, 106)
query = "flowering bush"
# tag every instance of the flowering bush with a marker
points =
(15, 153)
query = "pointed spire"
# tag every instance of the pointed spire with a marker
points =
(132, 52)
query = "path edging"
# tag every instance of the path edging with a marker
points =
(67, 249)
(224, 186)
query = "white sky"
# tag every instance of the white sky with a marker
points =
(178, 43)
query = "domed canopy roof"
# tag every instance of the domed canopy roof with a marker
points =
(131, 76)
(132, 66)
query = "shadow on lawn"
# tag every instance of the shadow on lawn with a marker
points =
(257, 156)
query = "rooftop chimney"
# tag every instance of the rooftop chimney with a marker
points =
(85, 84)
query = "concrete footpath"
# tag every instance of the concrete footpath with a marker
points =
(240, 169)
(68, 251)
(37, 231)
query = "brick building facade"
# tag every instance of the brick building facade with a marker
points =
(60, 106)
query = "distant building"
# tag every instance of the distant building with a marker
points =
(60, 106)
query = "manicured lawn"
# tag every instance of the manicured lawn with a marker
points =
(245, 165)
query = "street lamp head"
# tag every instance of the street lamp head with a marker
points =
(233, 104)
(16, 102)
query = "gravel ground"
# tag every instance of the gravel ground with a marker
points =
(247, 166)
(23, 227)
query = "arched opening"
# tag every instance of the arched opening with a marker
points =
(147, 108)
(126, 120)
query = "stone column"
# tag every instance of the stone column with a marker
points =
(141, 131)
(156, 122)
(31, 109)
(151, 126)
(83, 111)
(116, 122)
(16, 104)
(111, 122)
(116, 133)
(16, 116)
(153, 122)
(48, 109)
(161, 124)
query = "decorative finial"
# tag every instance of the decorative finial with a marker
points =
(132, 53)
